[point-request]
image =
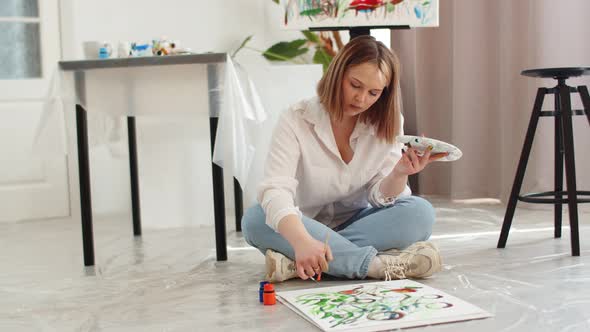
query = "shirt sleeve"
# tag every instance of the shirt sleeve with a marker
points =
(276, 192)
(375, 196)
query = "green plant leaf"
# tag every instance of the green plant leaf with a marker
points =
(311, 12)
(322, 58)
(390, 7)
(284, 51)
(275, 1)
(311, 36)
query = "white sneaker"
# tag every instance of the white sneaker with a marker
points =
(279, 267)
(420, 260)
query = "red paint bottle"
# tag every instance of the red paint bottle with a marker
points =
(269, 296)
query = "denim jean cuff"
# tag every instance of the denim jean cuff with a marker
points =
(364, 268)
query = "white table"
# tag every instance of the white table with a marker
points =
(142, 85)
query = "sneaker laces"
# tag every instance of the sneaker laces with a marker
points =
(395, 271)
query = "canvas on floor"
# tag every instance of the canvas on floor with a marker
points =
(376, 306)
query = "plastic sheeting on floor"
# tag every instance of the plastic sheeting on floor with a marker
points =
(168, 280)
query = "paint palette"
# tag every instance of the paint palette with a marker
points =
(422, 143)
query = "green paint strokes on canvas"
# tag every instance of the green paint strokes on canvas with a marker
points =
(369, 303)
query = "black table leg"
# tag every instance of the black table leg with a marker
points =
(570, 166)
(84, 177)
(239, 204)
(218, 200)
(524, 158)
(135, 206)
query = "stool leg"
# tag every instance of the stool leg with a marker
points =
(583, 90)
(570, 166)
(558, 177)
(524, 157)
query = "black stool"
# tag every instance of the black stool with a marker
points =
(564, 144)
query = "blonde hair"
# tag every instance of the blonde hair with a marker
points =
(384, 114)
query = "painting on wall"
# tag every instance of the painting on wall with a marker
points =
(306, 14)
(378, 306)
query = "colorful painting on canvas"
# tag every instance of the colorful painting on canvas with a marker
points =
(305, 14)
(379, 305)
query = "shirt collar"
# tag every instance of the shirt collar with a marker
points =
(317, 115)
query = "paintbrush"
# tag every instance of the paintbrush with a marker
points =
(326, 249)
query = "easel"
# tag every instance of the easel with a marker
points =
(361, 30)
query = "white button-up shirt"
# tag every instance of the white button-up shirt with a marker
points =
(305, 173)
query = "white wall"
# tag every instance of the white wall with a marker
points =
(203, 26)
(184, 196)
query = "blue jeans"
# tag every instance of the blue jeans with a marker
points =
(356, 242)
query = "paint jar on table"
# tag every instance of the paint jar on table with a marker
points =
(104, 53)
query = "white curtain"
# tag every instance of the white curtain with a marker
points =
(461, 83)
